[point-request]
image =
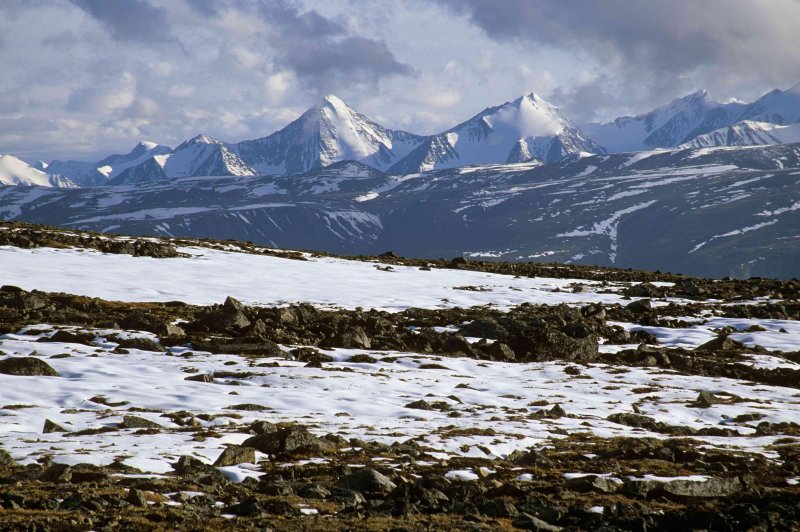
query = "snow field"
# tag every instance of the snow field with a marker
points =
(369, 402)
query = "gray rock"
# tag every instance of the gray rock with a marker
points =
(294, 440)
(58, 473)
(639, 307)
(234, 454)
(27, 366)
(706, 399)
(682, 488)
(264, 427)
(52, 426)
(5, 459)
(354, 338)
(136, 422)
(528, 522)
(136, 498)
(202, 377)
(367, 481)
(500, 352)
(232, 304)
(314, 491)
(593, 483)
(190, 466)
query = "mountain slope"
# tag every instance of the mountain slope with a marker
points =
(777, 107)
(203, 156)
(747, 133)
(527, 129)
(14, 171)
(667, 126)
(326, 133)
(715, 212)
(89, 174)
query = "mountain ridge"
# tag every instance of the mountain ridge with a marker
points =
(527, 129)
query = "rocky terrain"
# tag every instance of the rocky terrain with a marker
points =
(176, 383)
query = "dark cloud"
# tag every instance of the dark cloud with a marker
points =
(323, 53)
(129, 20)
(660, 44)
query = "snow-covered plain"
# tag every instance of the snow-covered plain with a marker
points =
(363, 400)
(208, 276)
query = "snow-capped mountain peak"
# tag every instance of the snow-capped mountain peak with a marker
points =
(777, 107)
(667, 125)
(525, 129)
(747, 133)
(202, 138)
(198, 156)
(328, 132)
(528, 116)
(96, 173)
(15, 171)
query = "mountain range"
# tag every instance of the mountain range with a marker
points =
(707, 188)
(528, 129)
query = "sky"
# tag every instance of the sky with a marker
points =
(84, 78)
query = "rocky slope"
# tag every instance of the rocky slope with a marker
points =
(663, 404)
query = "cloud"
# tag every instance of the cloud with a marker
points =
(323, 53)
(111, 72)
(129, 20)
(106, 97)
(662, 45)
(61, 40)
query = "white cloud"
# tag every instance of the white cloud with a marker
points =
(85, 80)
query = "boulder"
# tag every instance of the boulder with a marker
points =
(685, 488)
(367, 481)
(27, 366)
(353, 338)
(202, 377)
(5, 459)
(500, 352)
(136, 498)
(593, 483)
(52, 426)
(294, 440)
(136, 422)
(235, 454)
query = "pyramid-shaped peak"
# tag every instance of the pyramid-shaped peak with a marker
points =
(331, 101)
(146, 145)
(201, 139)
